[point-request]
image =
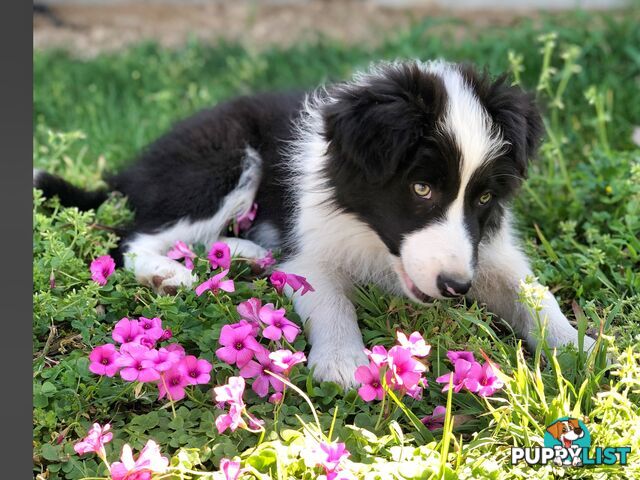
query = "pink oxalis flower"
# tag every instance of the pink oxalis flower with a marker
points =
(162, 359)
(230, 469)
(102, 268)
(149, 461)
(95, 441)
(127, 331)
(132, 363)
(216, 283)
(278, 324)
(238, 344)
(180, 251)
(488, 382)
(369, 377)
(256, 369)
(219, 256)
(436, 419)
(151, 328)
(415, 343)
(279, 279)
(266, 261)
(249, 310)
(328, 455)
(172, 384)
(195, 370)
(244, 221)
(104, 360)
(231, 395)
(469, 374)
(404, 370)
(285, 359)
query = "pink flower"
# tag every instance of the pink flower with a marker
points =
(231, 420)
(369, 377)
(266, 261)
(104, 360)
(278, 280)
(181, 250)
(415, 343)
(404, 370)
(249, 310)
(329, 455)
(436, 419)
(238, 345)
(378, 355)
(151, 327)
(177, 349)
(230, 468)
(244, 221)
(453, 356)
(489, 381)
(161, 360)
(172, 384)
(166, 335)
(465, 375)
(278, 325)
(216, 283)
(149, 461)
(132, 363)
(262, 380)
(285, 360)
(95, 440)
(231, 392)
(196, 371)
(219, 256)
(296, 282)
(101, 269)
(127, 331)
(275, 397)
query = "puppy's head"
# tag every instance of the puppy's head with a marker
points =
(428, 155)
(566, 431)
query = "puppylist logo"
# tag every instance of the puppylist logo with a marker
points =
(567, 443)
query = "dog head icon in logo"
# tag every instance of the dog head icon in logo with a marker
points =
(568, 435)
(567, 432)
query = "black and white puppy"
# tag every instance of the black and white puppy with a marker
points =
(401, 177)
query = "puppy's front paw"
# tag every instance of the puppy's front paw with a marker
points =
(167, 276)
(336, 363)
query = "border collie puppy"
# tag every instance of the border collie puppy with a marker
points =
(401, 177)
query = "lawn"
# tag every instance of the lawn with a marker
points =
(579, 215)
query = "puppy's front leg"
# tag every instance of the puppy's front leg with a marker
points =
(330, 323)
(501, 267)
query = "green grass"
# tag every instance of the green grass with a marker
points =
(579, 215)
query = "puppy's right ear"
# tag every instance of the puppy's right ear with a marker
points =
(374, 124)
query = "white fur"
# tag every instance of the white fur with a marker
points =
(146, 252)
(501, 267)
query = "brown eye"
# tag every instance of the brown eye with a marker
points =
(422, 190)
(485, 198)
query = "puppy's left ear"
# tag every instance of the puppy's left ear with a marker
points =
(518, 116)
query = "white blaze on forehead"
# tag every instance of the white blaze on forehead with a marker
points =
(467, 122)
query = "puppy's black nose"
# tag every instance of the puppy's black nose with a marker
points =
(452, 288)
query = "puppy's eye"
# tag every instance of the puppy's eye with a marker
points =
(485, 198)
(422, 190)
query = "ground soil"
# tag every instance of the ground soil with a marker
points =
(88, 30)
